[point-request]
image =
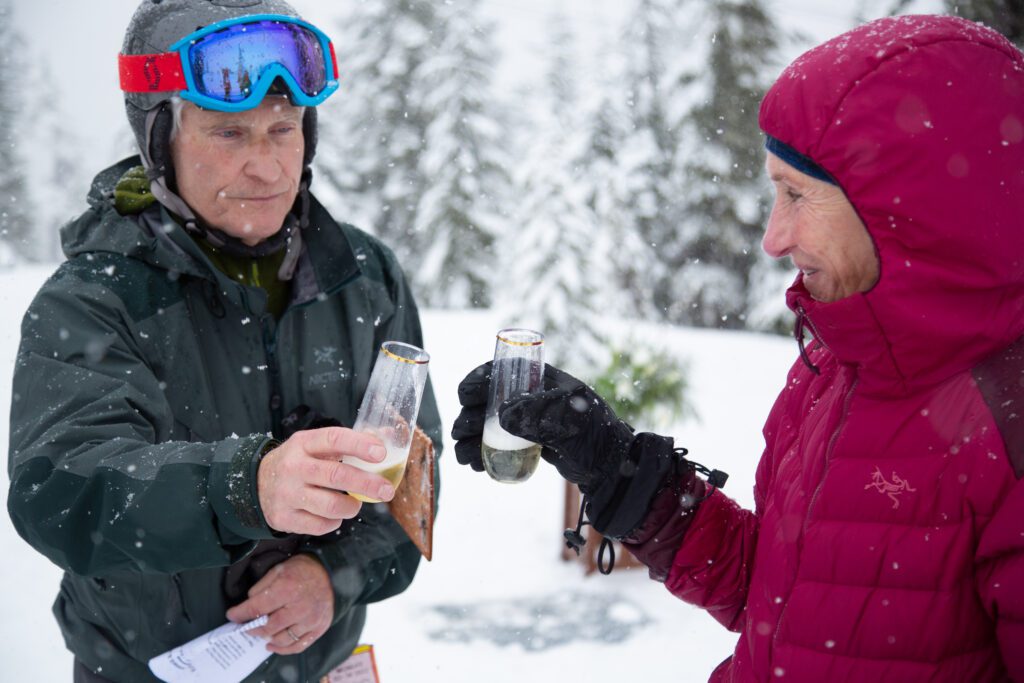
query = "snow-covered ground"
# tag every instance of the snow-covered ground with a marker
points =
(496, 602)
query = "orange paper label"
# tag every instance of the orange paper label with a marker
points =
(360, 667)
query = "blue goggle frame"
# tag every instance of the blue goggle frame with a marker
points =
(267, 74)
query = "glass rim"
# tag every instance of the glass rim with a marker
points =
(420, 357)
(504, 334)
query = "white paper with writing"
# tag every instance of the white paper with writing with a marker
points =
(224, 655)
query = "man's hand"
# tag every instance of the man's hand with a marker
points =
(302, 484)
(298, 600)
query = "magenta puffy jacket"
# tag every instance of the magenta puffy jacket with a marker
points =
(887, 542)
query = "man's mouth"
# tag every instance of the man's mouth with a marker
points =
(267, 198)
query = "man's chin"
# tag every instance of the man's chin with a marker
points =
(253, 229)
(252, 236)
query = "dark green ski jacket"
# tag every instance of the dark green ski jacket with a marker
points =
(147, 383)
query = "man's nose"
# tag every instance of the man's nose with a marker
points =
(778, 236)
(263, 164)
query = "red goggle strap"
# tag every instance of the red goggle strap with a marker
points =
(334, 59)
(151, 73)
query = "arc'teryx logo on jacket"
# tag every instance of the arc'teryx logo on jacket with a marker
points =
(892, 488)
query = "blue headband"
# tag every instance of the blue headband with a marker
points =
(802, 163)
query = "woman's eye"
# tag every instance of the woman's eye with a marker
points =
(793, 196)
(227, 134)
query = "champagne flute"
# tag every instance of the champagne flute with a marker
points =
(389, 408)
(518, 369)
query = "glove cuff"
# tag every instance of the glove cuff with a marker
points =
(622, 500)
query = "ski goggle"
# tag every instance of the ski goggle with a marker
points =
(230, 65)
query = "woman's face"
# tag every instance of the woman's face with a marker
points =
(814, 224)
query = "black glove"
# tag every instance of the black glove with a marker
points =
(617, 470)
(468, 429)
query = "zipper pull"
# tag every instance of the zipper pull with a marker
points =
(798, 332)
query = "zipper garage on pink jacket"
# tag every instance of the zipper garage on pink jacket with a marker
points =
(887, 541)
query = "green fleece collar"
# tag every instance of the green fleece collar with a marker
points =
(131, 194)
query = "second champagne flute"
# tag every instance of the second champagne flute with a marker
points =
(518, 369)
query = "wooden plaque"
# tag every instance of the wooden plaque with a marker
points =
(413, 504)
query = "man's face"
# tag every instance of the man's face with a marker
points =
(814, 224)
(240, 171)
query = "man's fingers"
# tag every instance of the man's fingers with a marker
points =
(339, 476)
(263, 602)
(284, 644)
(265, 582)
(467, 452)
(277, 621)
(473, 388)
(328, 503)
(306, 523)
(335, 442)
(242, 612)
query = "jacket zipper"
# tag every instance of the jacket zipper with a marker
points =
(814, 497)
(270, 348)
(814, 330)
(804, 319)
(274, 375)
(270, 338)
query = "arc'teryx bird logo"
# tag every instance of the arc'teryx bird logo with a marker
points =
(325, 355)
(892, 489)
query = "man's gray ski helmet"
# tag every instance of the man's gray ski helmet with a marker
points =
(155, 26)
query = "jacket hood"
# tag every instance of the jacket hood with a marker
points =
(144, 237)
(921, 121)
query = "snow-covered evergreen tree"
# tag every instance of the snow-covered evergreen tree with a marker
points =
(606, 175)
(1005, 16)
(463, 164)
(556, 261)
(647, 150)
(373, 129)
(58, 185)
(716, 245)
(16, 216)
(412, 141)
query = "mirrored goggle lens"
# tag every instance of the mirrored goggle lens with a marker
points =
(228, 64)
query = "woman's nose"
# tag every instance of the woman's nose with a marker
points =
(778, 235)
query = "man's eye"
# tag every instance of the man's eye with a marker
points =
(227, 134)
(284, 130)
(793, 196)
